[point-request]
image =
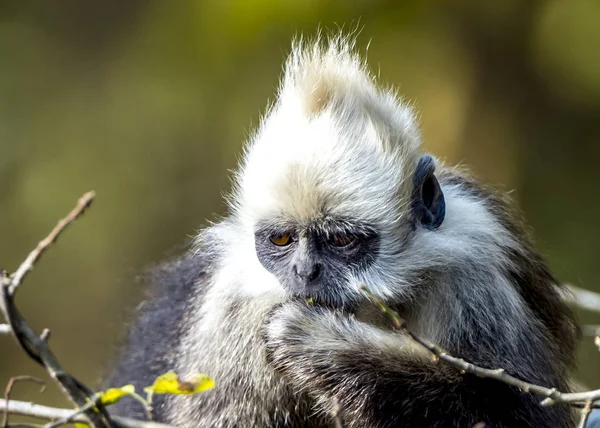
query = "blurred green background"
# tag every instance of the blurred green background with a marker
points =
(149, 102)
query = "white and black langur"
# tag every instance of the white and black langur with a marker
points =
(333, 192)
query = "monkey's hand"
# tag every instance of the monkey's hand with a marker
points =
(335, 357)
(299, 337)
(296, 333)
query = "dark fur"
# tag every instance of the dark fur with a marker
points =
(154, 336)
(531, 275)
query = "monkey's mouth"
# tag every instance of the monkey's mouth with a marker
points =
(329, 301)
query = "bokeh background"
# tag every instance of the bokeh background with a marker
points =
(149, 102)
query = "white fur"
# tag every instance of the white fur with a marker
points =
(334, 144)
(347, 151)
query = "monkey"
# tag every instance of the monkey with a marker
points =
(334, 192)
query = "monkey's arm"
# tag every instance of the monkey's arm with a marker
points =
(383, 379)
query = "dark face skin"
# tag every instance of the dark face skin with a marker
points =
(314, 261)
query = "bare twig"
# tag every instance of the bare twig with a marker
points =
(583, 298)
(63, 421)
(89, 407)
(590, 330)
(52, 413)
(34, 345)
(335, 414)
(551, 395)
(11, 383)
(24, 425)
(585, 414)
(15, 279)
(45, 336)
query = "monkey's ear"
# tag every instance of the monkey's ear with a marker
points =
(428, 204)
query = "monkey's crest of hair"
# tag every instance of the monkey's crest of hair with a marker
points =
(332, 144)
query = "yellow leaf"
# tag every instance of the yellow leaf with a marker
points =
(112, 395)
(170, 383)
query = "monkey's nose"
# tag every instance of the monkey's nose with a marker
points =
(307, 272)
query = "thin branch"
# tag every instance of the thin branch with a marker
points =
(9, 387)
(24, 425)
(35, 346)
(335, 414)
(63, 421)
(551, 395)
(45, 336)
(585, 414)
(590, 330)
(53, 413)
(89, 408)
(15, 279)
(583, 298)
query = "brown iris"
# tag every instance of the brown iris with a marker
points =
(281, 240)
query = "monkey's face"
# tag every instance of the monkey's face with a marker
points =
(315, 261)
(326, 257)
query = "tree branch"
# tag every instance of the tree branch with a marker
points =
(53, 413)
(11, 383)
(16, 278)
(583, 298)
(551, 395)
(590, 330)
(335, 414)
(585, 414)
(34, 345)
(63, 421)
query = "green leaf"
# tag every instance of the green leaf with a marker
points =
(170, 383)
(112, 395)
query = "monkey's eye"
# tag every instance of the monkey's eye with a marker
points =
(340, 240)
(281, 240)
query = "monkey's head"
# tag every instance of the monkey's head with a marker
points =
(333, 184)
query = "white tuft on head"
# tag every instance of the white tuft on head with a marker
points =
(335, 145)
(332, 145)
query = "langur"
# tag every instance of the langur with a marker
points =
(333, 192)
